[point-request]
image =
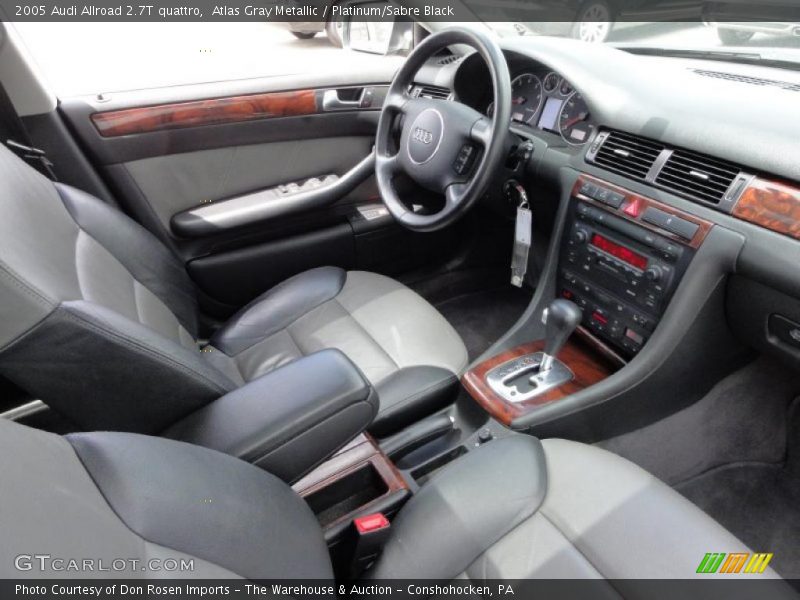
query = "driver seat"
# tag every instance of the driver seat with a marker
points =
(99, 320)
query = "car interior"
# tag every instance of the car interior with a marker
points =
(523, 307)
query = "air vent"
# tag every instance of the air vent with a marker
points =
(449, 60)
(759, 81)
(627, 154)
(697, 176)
(432, 92)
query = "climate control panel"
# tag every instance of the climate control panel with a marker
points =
(620, 268)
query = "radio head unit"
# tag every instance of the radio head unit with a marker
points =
(618, 266)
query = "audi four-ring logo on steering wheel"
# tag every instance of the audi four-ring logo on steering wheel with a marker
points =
(422, 135)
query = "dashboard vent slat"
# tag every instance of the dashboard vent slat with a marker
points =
(627, 154)
(700, 176)
(432, 92)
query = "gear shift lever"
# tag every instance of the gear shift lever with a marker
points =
(562, 317)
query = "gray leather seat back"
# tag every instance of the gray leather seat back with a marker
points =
(124, 496)
(95, 312)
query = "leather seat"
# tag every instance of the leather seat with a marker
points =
(99, 320)
(514, 508)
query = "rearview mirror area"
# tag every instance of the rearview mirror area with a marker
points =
(369, 27)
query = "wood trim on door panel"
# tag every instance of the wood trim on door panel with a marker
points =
(771, 204)
(216, 111)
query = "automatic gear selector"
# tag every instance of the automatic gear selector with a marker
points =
(534, 374)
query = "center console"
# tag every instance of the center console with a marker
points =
(622, 258)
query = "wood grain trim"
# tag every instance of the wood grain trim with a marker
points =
(360, 452)
(197, 113)
(588, 367)
(771, 204)
(633, 198)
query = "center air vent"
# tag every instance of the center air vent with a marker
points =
(627, 154)
(697, 175)
(432, 92)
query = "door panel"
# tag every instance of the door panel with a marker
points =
(164, 152)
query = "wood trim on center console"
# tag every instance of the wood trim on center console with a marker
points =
(634, 206)
(216, 111)
(588, 366)
(771, 204)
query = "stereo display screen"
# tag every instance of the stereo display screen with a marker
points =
(621, 252)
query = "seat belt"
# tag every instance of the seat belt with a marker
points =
(16, 138)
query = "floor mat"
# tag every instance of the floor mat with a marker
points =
(482, 318)
(760, 504)
(736, 455)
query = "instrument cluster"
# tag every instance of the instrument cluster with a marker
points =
(547, 101)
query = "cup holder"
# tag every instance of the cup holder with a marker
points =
(347, 494)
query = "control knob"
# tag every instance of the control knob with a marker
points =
(579, 236)
(654, 274)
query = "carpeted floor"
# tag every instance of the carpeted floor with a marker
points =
(736, 454)
(483, 317)
(760, 504)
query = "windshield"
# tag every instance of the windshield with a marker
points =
(768, 30)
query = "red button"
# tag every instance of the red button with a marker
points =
(371, 523)
(600, 318)
(634, 208)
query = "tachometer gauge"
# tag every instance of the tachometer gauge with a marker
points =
(551, 82)
(526, 98)
(573, 122)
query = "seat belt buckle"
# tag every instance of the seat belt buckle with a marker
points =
(36, 157)
(369, 535)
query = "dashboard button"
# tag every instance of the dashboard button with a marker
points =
(682, 227)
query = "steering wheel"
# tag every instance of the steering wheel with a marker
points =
(445, 146)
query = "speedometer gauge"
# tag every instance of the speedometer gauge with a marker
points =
(573, 122)
(526, 98)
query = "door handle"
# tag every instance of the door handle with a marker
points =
(332, 102)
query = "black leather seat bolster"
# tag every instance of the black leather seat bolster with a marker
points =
(278, 308)
(464, 509)
(106, 372)
(411, 394)
(206, 504)
(142, 254)
(289, 420)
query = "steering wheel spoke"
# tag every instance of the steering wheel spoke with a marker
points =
(482, 132)
(396, 101)
(454, 194)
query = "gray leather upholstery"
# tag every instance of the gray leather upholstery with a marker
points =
(290, 420)
(117, 495)
(99, 320)
(512, 509)
(520, 509)
(404, 347)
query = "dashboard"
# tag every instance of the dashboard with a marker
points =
(679, 168)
